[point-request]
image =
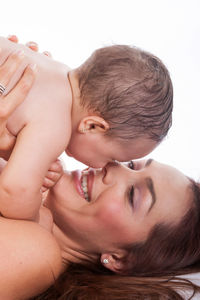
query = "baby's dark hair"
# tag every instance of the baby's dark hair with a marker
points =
(131, 89)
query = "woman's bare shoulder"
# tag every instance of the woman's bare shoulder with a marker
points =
(30, 259)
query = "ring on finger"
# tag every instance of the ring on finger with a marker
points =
(2, 89)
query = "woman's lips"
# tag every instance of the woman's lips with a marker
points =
(90, 180)
(77, 174)
(77, 180)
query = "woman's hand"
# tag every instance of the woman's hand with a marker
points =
(53, 175)
(32, 45)
(14, 98)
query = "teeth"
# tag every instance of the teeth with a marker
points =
(84, 185)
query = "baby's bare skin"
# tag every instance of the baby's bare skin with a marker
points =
(51, 84)
(42, 125)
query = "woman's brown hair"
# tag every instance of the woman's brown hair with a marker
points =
(152, 268)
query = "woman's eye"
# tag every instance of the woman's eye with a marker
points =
(131, 165)
(131, 196)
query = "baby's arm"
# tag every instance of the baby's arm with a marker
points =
(39, 143)
(21, 180)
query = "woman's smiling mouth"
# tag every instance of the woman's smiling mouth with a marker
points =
(84, 182)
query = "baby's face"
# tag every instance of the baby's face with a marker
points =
(97, 150)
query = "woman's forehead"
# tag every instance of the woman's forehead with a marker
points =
(173, 193)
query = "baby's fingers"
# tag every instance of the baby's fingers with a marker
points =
(53, 175)
(50, 180)
(47, 184)
(56, 166)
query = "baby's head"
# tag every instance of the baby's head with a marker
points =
(126, 99)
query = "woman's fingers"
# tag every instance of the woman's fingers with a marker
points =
(47, 53)
(33, 46)
(9, 67)
(14, 97)
(13, 38)
(8, 104)
(17, 95)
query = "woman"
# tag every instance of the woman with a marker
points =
(127, 222)
(138, 221)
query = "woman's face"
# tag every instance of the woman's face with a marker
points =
(119, 204)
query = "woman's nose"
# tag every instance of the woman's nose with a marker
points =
(110, 172)
(102, 164)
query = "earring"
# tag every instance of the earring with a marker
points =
(105, 261)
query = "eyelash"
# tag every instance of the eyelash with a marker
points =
(131, 165)
(131, 191)
(131, 196)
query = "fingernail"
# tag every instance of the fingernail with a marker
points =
(32, 44)
(47, 53)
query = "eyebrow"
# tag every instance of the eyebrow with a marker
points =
(150, 186)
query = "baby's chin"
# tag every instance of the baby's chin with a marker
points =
(68, 153)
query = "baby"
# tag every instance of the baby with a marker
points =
(116, 106)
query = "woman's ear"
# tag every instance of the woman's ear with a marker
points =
(113, 262)
(93, 124)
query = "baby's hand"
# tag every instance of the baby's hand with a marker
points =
(32, 45)
(53, 175)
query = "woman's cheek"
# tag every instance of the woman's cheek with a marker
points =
(110, 213)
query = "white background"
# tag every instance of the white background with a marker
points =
(72, 30)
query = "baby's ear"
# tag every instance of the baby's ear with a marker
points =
(113, 262)
(93, 124)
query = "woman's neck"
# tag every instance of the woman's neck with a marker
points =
(70, 251)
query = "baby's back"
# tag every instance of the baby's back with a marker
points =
(50, 95)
